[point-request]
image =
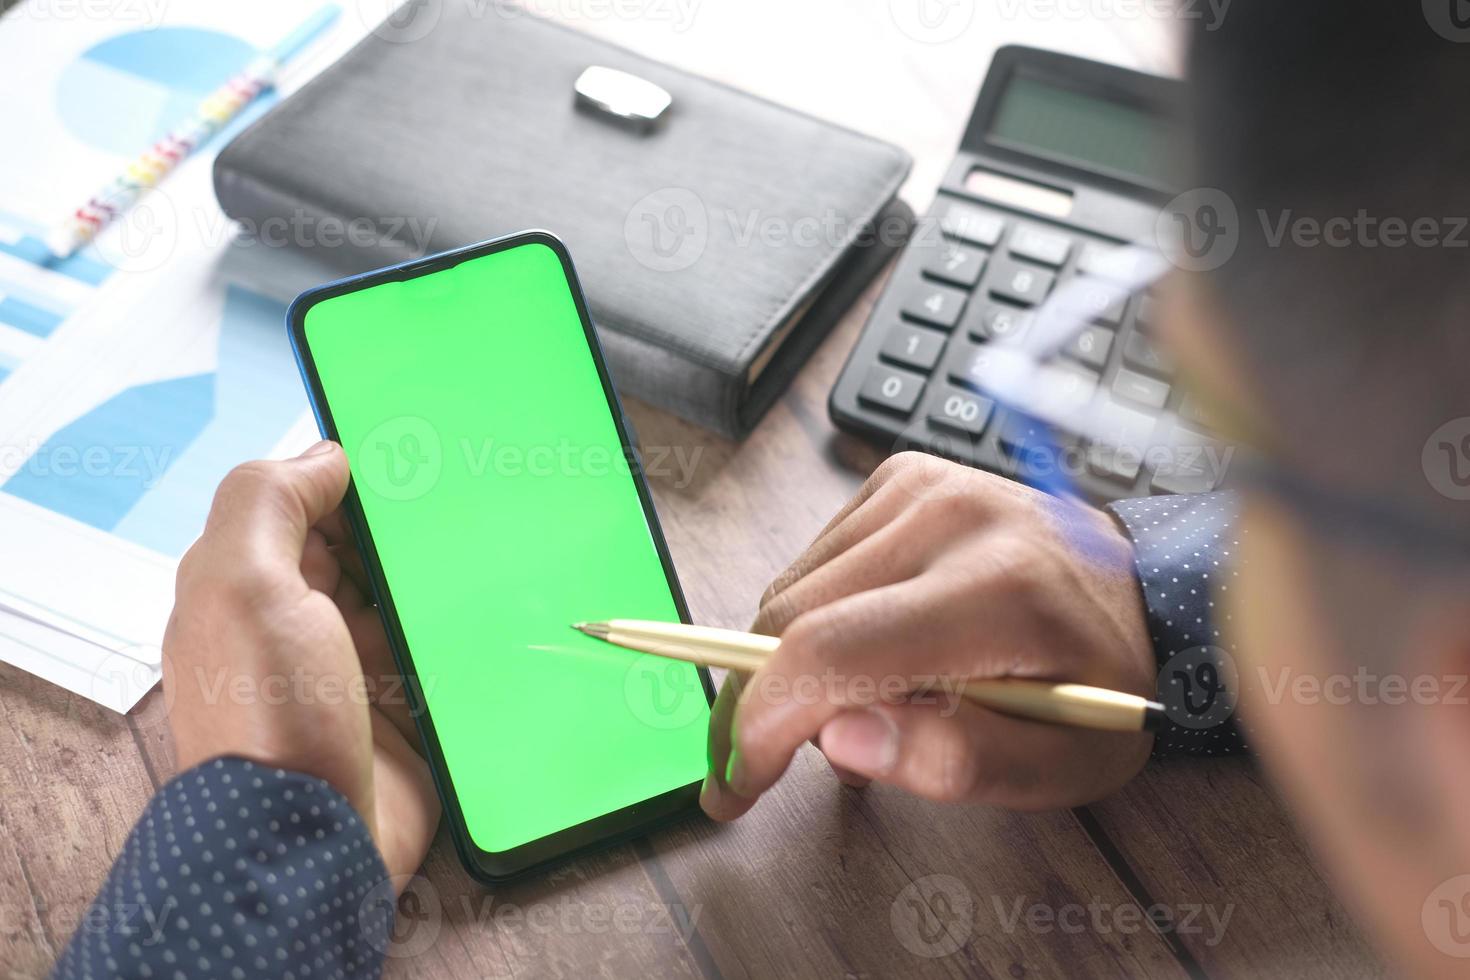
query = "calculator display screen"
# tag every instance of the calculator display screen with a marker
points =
(1082, 129)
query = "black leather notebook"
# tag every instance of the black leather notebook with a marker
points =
(717, 246)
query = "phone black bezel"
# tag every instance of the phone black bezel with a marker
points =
(609, 829)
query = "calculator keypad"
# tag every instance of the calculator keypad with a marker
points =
(956, 264)
(1020, 282)
(1091, 346)
(914, 347)
(1040, 245)
(956, 294)
(936, 305)
(998, 322)
(892, 389)
(960, 410)
(1140, 388)
(968, 223)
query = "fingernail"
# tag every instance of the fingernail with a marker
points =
(325, 446)
(709, 793)
(735, 773)
(864, 742)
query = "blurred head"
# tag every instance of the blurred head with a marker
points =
(1336, 341)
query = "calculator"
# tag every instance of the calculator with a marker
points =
(1063, 161)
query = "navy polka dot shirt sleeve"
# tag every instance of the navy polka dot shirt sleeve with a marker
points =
(235, 870)
(1186, 551)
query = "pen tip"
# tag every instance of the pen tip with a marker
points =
(598, 630)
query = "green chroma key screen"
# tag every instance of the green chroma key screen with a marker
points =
(495, 489)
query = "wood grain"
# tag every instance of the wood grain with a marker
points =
(1241, 857)
(73, 783)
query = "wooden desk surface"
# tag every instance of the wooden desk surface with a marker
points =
(819, 880)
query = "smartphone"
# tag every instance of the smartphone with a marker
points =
(496, 501)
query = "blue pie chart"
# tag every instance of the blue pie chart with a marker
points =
(125, 92)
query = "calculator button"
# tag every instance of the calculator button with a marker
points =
(913, 347)
(1064, 387)
(1176, 482)
(938, 305)
(1144, 354)
(1191, 410)
(1110, 262)
(1001, 323)
(1020, 283)
(1040, 245)
(1147, 311)
(970, 224)
(1118, 425)
(955, 264)
(1101, 302)
(1020, 430)
(968, 362)
(960, 410)
(891, 389)
(1090, 346)
(1120, 465)
(1191, 466)
(1140, 388)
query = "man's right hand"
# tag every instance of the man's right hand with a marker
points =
(935, 569)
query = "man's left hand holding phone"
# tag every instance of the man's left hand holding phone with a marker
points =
(487, 344)
(303, 804)
(275, 654)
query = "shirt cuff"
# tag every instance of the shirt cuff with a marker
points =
(237, 870)
(1185, 552)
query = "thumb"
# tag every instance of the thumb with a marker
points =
(264, 509)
